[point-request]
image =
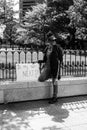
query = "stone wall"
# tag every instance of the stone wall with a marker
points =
(27, 91)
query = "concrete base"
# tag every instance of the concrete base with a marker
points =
(24, 91)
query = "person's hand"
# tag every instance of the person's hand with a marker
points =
(40, 61)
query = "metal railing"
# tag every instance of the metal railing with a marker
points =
(74, 61)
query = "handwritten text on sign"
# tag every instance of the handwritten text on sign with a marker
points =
(27, 72)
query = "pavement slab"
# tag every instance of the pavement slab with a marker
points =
(67, 114)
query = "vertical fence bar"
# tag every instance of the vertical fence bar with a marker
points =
(68, 68)
(65, 65)
(73, 67)
(31, 56)
(37, 55)
(70, 61)
(25, 54)
(9, 70)
(77, 68)
(82, 67)
(80, 52)
(6, 62)
(19, 51)
(13, 67)
(85, 63)
(75, 61)
(62, 68)
(3, 69)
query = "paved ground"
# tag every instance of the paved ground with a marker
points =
(67, 114)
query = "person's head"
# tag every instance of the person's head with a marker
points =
(51, 38)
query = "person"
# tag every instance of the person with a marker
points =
(53, 58)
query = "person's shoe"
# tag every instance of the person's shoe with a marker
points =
(53, 100)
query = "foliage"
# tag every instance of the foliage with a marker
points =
(62, 17)
(58, 20)
(78, 18)
(8, 20)
(45, 17)
(33, 23)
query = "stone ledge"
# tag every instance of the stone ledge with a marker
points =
(24, 91)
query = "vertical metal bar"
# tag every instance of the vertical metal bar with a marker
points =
(73, 67)
(13, 64)
(68, 68)
(62, 69)
(26, 57)
(19, 57)
(9, 70)
(70, 61)
(0, 70)
(77, 68)
(80, 61)
(19, 51)
(31, 56)
(25, 54)
(84, 69)
(6, 63)
(3, 69)
(75, 61)
(37, 55)
(65, 62)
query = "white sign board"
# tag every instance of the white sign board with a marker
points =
(27, 72)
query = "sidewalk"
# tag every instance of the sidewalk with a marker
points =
(67, 114)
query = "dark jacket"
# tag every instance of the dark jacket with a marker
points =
(55, 57)
(51, 62)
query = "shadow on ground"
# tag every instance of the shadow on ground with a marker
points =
(36, 115)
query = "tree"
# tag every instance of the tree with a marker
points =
(48, 16)
(7, 19)
(78, 20)
(57, 17)
(33, 22)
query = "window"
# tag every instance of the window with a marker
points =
(25, 5)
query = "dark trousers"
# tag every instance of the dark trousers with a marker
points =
(55, 88)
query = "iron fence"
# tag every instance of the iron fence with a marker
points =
(74, 61)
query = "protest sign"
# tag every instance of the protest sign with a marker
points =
(27, 72)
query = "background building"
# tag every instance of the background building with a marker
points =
(24, 5)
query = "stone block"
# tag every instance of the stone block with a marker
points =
(1, 96)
